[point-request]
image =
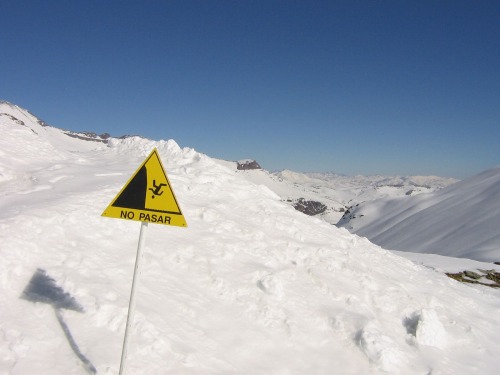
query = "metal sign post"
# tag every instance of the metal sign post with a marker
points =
(130, 316)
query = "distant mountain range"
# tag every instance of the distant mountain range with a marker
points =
(427, 214)
(329, 195)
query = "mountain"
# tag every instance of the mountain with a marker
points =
(251, 286)
(328, 195)
(461, 220)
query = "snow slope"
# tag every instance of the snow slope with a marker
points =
(462, 220)
(338, 192)
(250, 287)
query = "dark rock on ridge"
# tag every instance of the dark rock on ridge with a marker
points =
(310, 208)
(247, 165)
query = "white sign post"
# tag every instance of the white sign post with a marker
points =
(131, 305)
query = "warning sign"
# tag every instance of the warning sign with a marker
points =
(147, 197)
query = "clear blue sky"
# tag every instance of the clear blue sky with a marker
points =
(370, 87)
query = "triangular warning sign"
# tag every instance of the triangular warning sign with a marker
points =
(147, 196)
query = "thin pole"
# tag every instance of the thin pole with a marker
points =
(131, 305)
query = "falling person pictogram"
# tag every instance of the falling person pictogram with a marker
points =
(157, 188)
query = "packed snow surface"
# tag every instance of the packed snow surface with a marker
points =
(251, 286)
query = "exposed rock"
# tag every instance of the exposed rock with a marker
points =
(310, 208)
(489, 278)
(86, 136)
(247, 165)
(15, 119)
(349, 214)
(472, 275)
(129, 136)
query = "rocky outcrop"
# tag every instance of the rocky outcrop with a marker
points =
(489, 278)
(244, 165)
(310, 208)
(89, 136)
(15, 119)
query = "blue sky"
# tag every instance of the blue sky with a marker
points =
(354, 87)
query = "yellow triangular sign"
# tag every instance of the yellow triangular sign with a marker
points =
(147, 196)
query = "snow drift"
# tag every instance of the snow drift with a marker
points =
(250, 287)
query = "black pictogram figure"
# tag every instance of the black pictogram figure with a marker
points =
(157, 188)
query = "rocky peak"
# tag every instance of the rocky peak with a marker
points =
(247, 164)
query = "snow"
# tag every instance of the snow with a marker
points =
(250, 287)
(460, 220)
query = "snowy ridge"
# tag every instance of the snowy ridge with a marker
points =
(250, 287)
(461, 220)
(429, 182)
(338, 192)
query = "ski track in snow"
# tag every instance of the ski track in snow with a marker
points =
(250, 287)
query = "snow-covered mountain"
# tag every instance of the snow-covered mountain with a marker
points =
(250, 287)
(329, 195)
(462, 220)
